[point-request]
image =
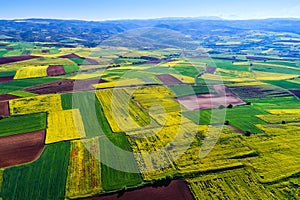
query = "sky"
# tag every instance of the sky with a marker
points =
(99, 10)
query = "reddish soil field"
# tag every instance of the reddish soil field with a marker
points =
(91, 61)
(72, 55)
(64, 85)
(177, 190)
(21, 148)
(206, 101)
(6, 60)
(6, 79)
(4, 108)
(3, 45)
(296, 92)
(56, 70)
(6, 97)
(211, 70)
(168, 79)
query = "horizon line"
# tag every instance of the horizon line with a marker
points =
(212, 18)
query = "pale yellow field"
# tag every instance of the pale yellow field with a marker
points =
(242, 63)
(184, 79)
(64, 125)
(279, 152)
(278, 118)
(84, 170)
(252, 83)
(249, 76)
(86, 76)
(235, 184)
(267, 76)
(31, 72)
(119, 83)
(122, 112)
(36, 104)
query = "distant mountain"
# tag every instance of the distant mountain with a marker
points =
(91, 33)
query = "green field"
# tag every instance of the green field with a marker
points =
(23, 124)
(21, 84)
(114, 179)
(71, 68)
(92, 115)
(210, 149)
(42, 179)
(186, 90)
(243, 118)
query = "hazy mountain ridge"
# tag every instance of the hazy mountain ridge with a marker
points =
(91, 33)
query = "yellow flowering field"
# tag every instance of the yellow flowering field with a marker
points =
(280, 117)
(31, 72)
(279, 152)
(235, 184)
(122, 112)
(184, 79)
(64, 125)
(84, 170)
(85, 76)
(122, 82)
(36, 104)
(284, 111)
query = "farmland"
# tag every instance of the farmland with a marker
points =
(118, 168)
(52, 170)
(145, 116)
(28, 123)
(64, 125)
(84, 169)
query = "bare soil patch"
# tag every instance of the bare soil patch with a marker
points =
(6, 97)
(224, 97)
(168, 79)
(177, 190)
(22, 148)
(296, 92)
(56, 70)
(11, 59)
(4, 108)
(64, 85)
(6, 79)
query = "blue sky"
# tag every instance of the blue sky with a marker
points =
(143, 9)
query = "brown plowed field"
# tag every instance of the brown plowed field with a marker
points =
(177, 190)
(72, 55)
(11, 59)
(6, 97)
(55, 70)
(211, 70)
(207, 101)
(64, 85)
(91, 61)
(22, 148)
(6, 79)
(168, 79)
(296, 92)
(4, 108)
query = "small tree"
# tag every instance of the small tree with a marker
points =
(227, 123)
(283, 122)
(247, 133)
(221, 107)
(230, 106)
